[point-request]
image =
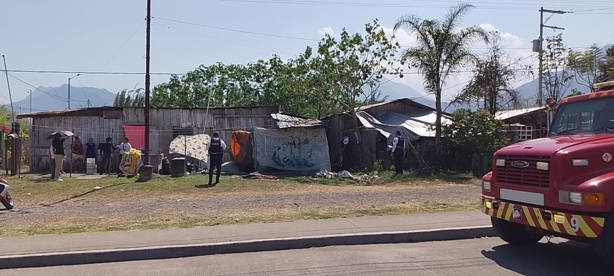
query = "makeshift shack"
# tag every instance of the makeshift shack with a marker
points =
(298, 144)
(372, 130)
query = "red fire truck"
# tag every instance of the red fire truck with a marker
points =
(561, 185)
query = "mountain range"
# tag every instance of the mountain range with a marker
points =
(55, 98)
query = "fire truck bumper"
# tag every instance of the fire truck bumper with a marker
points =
(566, 224)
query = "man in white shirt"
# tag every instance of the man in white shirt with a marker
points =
(398, 150)
(125, 146)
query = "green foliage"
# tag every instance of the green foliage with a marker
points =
(606, 66)
(585, 66)
(442, 47)
(471, 140)
(5, 116)
(318, 83)
(490, 84)
(556, 75)
(130, 98)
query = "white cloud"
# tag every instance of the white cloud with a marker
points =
(515, 48)
(327, 31)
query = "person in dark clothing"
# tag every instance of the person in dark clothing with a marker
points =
(90, 149)
(216, 152)
(58, 151)
(398, 150)
(105, 151)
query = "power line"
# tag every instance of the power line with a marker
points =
(235, 30)
(88, 72)
(501, 5)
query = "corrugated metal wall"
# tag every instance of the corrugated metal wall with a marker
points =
(162, 121)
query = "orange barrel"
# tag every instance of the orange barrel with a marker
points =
(241, 150)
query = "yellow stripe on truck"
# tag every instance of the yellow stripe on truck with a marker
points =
(588, 232)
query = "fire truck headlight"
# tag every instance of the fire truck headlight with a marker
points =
(486, 186)
(500, 162)
(579, 162)
(542, 166)
(575, 197)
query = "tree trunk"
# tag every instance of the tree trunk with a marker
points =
(438, 113)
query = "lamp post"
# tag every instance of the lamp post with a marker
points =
(69, 78)
(30, 93)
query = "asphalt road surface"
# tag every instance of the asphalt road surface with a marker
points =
(488, 256)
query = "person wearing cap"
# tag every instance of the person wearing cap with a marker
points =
(216, 152)
(398, 150)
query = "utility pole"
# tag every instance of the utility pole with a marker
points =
(147, 81)
(147, 169)
(6, 72)
(540, 97)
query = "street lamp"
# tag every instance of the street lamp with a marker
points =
(30, 93)
(69, 78)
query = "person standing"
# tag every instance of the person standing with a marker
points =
(216, 152)
(52, 160)
(105, 150)
(58, 151)
(90, 149)
(398, 150)
(124, 148)
(77, 154)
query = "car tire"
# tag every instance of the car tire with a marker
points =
(515, 233)
(604, 245)
(7, 201)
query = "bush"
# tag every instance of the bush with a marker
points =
(471, 140)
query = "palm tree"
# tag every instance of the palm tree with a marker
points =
(442, 47)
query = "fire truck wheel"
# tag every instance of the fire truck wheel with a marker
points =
(604, 245)
(515, 233)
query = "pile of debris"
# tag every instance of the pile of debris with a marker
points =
(362, 179)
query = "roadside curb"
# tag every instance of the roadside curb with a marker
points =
(180, 251)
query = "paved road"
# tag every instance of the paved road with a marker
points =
(488, 256)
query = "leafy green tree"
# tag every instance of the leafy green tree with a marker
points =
(585, 66)
(442, 48)
(556, 74)
(130, 98)
(490, 84)
(606, 66)
(471, 139)
(341, 74)
(353, 66)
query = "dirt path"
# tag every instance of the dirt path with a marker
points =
(206, 204)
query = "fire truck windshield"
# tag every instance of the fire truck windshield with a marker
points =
(584, 117)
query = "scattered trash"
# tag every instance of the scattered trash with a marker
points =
(345, 174)
(363, 179)
(97, 188)
(324, 173)
(257, 175)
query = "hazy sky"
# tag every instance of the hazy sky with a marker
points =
(109, 35)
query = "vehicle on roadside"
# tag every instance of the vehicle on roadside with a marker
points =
(561, 185)
(5, 196)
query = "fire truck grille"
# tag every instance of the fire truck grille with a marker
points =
(528, 176)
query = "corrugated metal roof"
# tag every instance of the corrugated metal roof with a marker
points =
(420, 124)
(289, 121)
(508, 114)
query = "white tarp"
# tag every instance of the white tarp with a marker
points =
(294, 149)
(194, 146)
(414, 126)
